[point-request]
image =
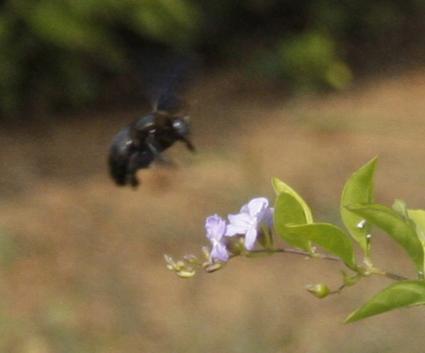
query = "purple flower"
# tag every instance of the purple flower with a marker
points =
(216, 228)
(252, 215)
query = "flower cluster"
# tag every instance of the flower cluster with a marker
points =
(246, 225)
(238, 235)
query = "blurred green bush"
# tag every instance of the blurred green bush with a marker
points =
(60, 53)
(308, 61)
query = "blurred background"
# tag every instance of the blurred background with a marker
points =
(307, 91)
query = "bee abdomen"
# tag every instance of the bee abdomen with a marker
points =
(119, 155)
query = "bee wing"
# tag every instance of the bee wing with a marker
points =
(164, 77)
(172, 83)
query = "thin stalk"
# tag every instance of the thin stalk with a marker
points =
(390, 275)
(295, 252)
(375, 271)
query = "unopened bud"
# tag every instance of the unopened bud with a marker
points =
(186, 273)
(191, 259)
(206, 253)
(180, 265)
(319, 290)
(171, 265)
(213, 267)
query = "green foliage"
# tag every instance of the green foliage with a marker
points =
(329, 237)
(290, 208)
(293, 221)
(289, 211)
(401, 207)
(358, 190)
(57, 52)
(168, 21)
(398, 228)
(418, 217)
(279, 186)
(306, 61)
(310, 60)
(398, 295)
(406, 227)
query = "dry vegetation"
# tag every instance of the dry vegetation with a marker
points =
(81, 260)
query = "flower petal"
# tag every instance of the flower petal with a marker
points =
(239, 224)
(267, 217)
(257, 206)
(250, 238)
(240, 219)
(233, 230)
(219, 252)
(215, 227)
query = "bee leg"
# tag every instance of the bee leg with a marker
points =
(189, 145)
(134, 181)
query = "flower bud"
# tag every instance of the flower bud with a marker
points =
(171, 265)
(206, 253)
(319, 290)
(186, 273)
(180, 265)
(191, 259)
(213, 267)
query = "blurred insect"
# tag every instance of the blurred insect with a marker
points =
(142, 142)
(139, 144)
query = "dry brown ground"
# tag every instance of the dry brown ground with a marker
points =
(81, 260)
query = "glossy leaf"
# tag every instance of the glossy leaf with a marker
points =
(398, 228)
(398, 295)
(327, 236)
(279, 186)
(287, 210)
(358, 190)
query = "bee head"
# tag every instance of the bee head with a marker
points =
(181, 127)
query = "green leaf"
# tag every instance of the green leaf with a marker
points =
(327, 236)
(400, 207)
(418, 217)
(279, 186)
(398, 228)
(58, 24)
(288, 210)
(358, 190)
(398, 295)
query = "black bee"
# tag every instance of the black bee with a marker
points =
(162, 75)
(139, 144)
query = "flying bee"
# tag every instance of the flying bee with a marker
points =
(163, 75)
(142, 142)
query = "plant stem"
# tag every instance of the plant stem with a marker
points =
(295, 252)
(375, 271)
(390, 275)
